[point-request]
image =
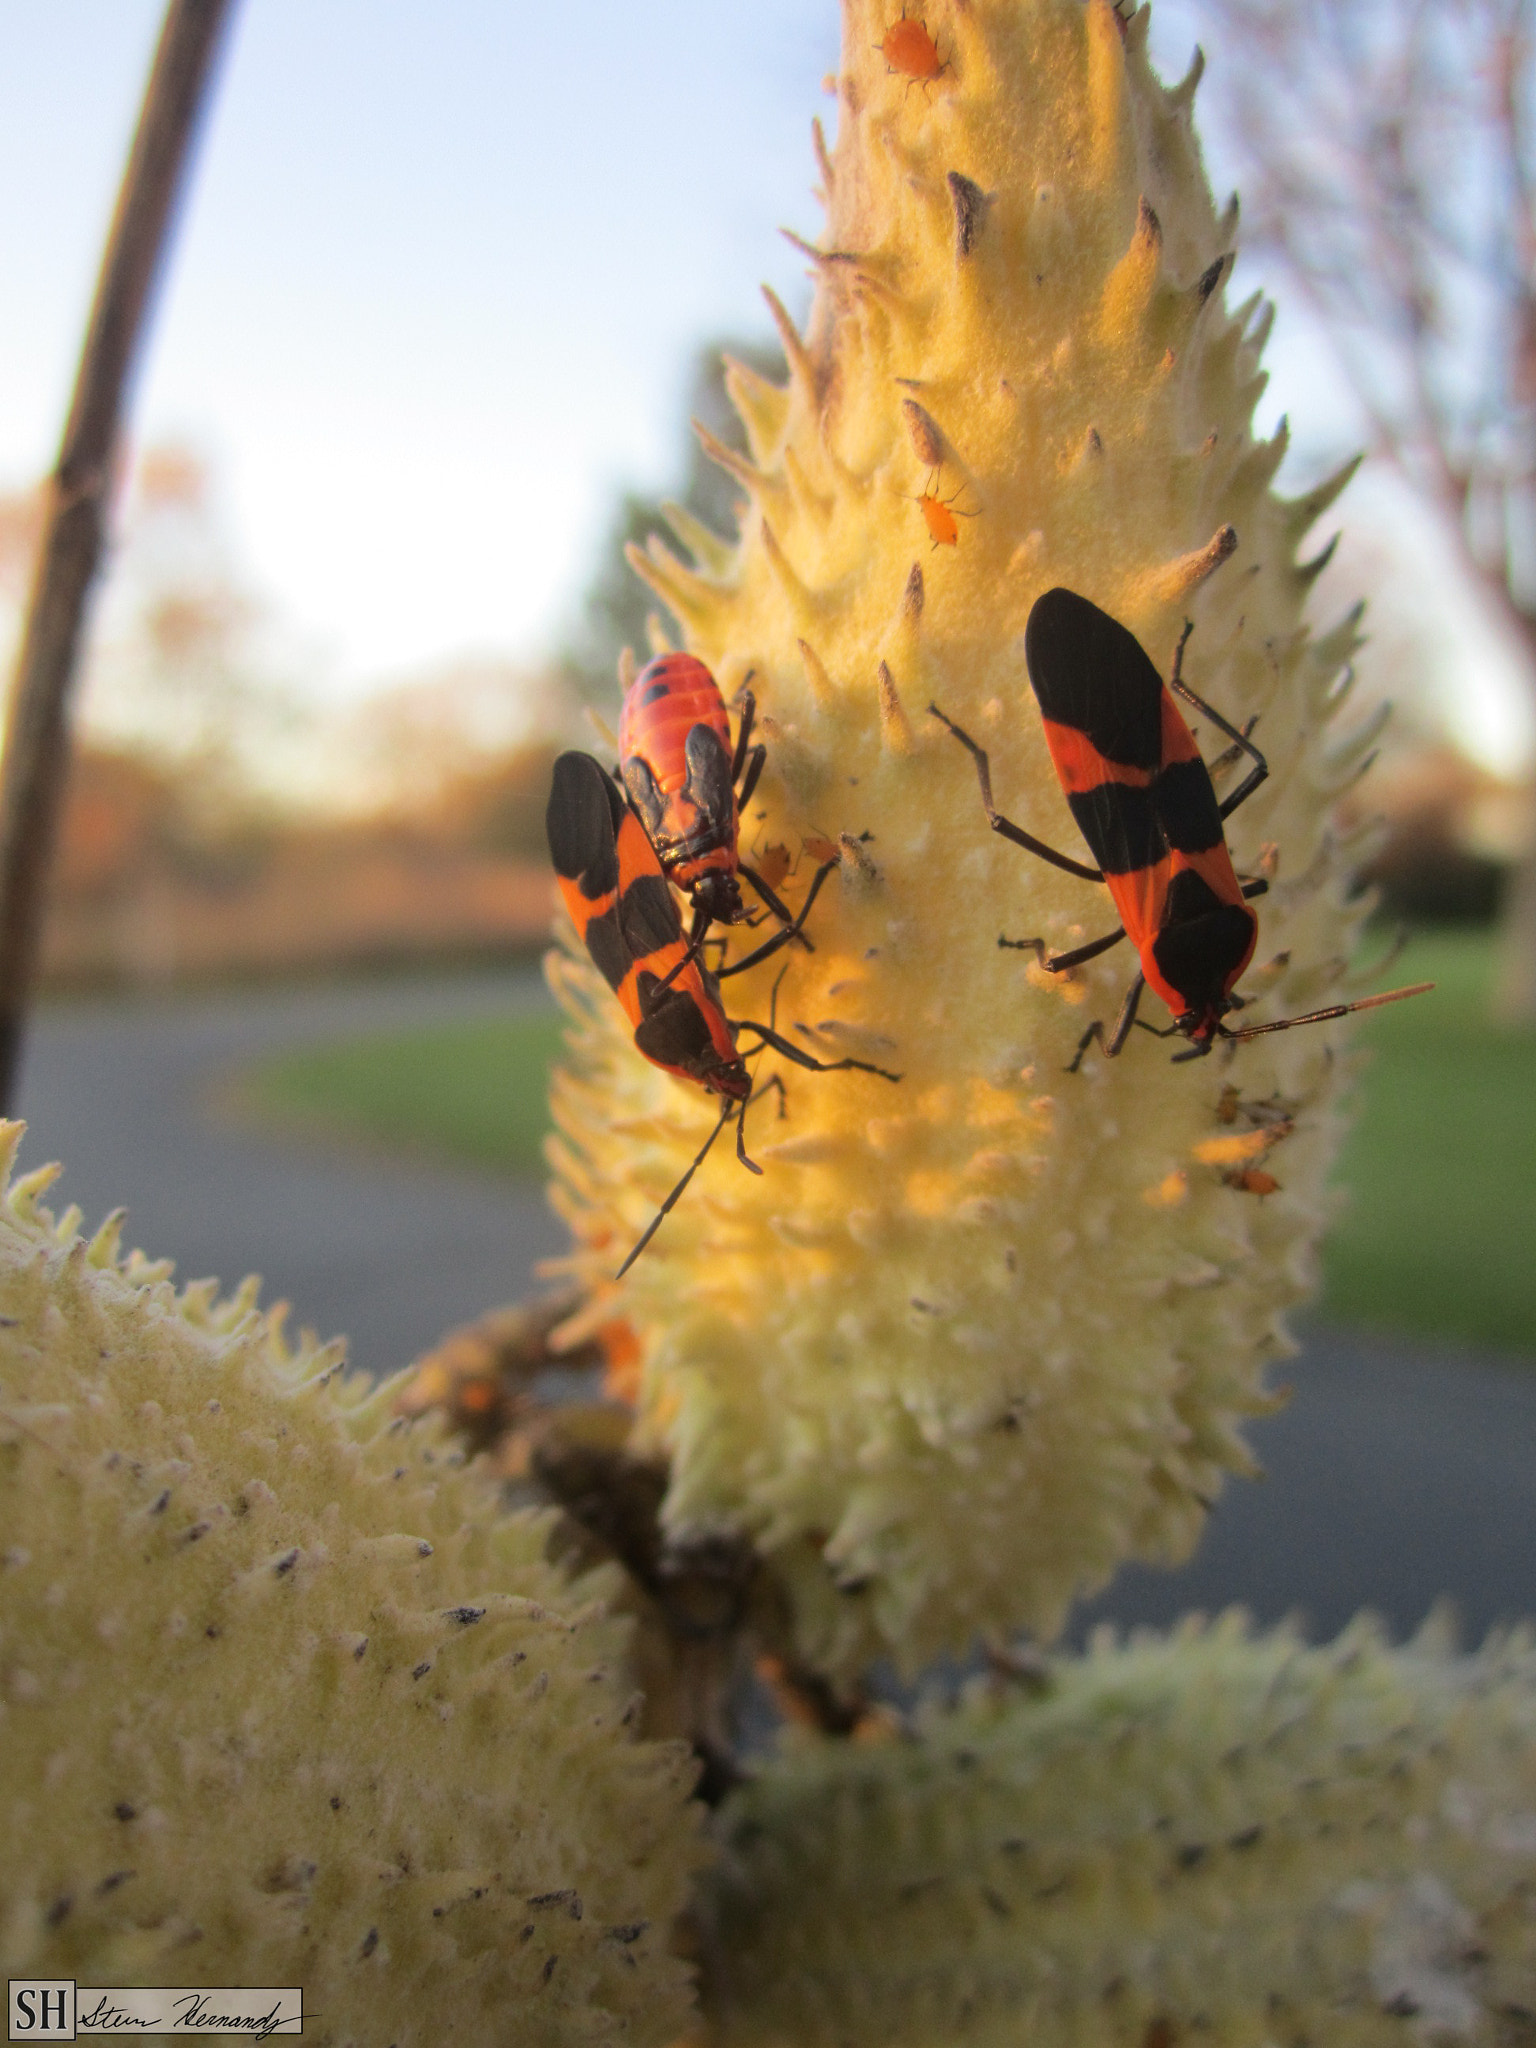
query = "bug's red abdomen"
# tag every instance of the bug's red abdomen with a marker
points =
(675, 758)
(670, 696)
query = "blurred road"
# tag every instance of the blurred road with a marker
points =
(1395, 1475)
(127, 1094)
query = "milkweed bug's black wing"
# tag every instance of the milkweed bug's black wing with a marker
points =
(1093, 676)
(582, 821)
(709, 785)
(646, 795)
(584, 818)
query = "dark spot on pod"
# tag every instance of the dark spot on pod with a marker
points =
(58, 1912)
(359, 1652)
(335, 1802)
(162, 1502)
(110, 1884)
(912, 596)
(422, 1669)
(970, 204)
(548, 1970)
(124, 1811)
(1210, 277)
(1247, 1838)
(286, 1563)
(1191, 1855)
(927, 435)
(571, 1900)
(628, 1934)
(370, 1943)
(464, 1615)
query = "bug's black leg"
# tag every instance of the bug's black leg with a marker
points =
(1058, 963)
(755, 762)
(743, 737)
(1111, 1046)
(774, 902)
(671, 1202)
(774, 1081)
(1005, 827)
(790, 931)
(1258, 887)
(1228, 755)
(804, 1059)
(701, 924)
(741, 1139)
(1260, 769)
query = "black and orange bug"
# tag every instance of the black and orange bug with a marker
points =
(909, 49)
(1144, 801)
(688, 786)
(627, 917)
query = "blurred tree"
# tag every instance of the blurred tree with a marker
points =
(616, 602)
(1388, 150)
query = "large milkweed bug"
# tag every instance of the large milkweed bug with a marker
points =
(627, 917)
(1144, 801)
(688, 787)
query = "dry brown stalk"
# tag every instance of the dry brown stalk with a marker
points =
(36, 753)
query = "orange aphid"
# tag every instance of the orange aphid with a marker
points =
(1253, 1180)
(940, 520)
(908, 48)
(943, 528)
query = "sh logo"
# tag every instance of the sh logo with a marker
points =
(41, 2009)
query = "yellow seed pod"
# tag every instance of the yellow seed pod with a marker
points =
(975, 1338)
(1209, 1837)
(286, 1697)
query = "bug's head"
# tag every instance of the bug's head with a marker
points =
(1202, 1027)
(718, 895)
(729, 1078)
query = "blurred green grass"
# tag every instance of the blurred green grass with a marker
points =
(1439, 1238)
(1438, 1241)
(473, 1092)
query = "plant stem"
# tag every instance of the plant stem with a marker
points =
(36, 755)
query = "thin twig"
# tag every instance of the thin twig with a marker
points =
(37, 732)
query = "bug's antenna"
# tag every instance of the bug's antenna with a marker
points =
(671, 1201)
(1395, 995)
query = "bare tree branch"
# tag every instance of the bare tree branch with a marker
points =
(1392, 168)
(37, 734)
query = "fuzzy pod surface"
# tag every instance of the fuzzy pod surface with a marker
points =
(976, 1338)
(1209, 1837)
(286, 1698)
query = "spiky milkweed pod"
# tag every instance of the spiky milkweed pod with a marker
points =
(285, 1698)
(1210, 1838)
(974, 1340)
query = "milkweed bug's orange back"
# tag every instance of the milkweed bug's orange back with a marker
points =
(688, 787)
(1144, 801)
(625, 916)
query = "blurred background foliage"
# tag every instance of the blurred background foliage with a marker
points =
(220, 822)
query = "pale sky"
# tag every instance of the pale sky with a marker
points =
(442, 273)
